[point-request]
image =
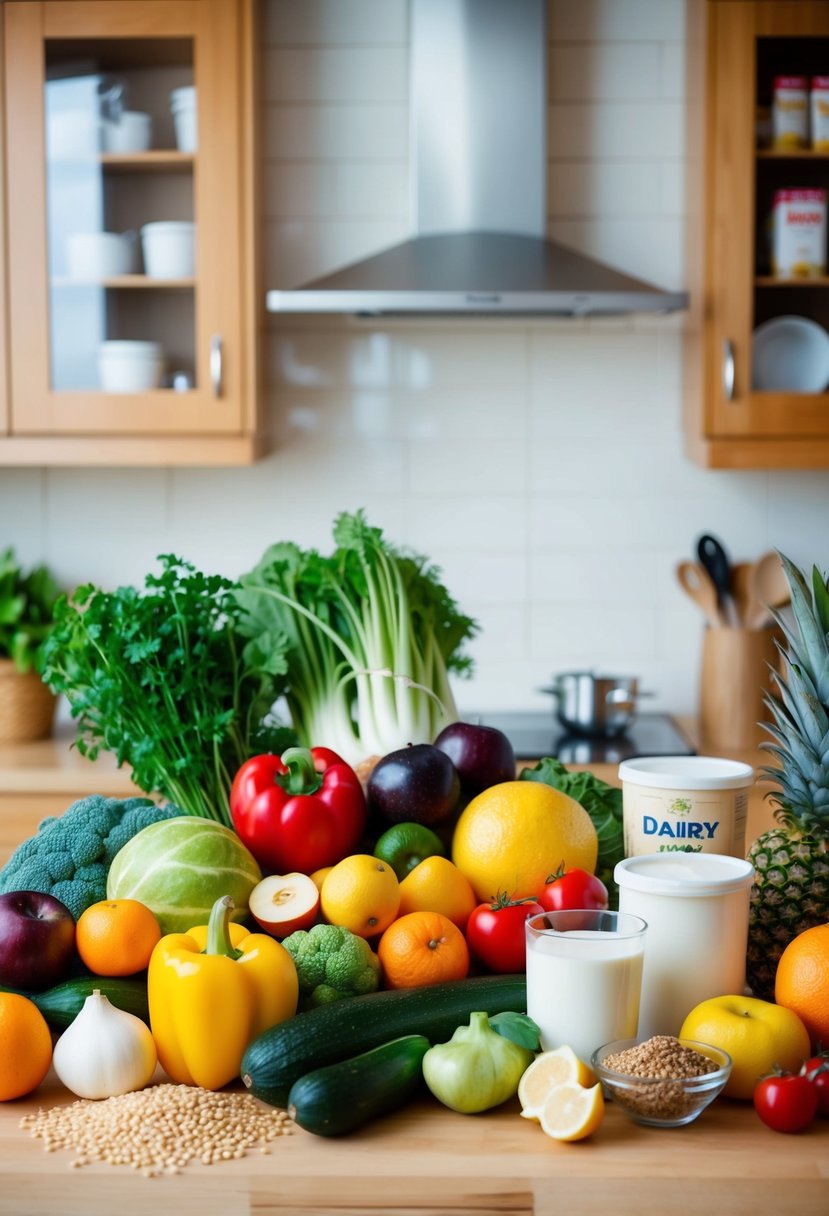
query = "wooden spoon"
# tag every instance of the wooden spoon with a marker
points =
(769, 589)
(696, 581)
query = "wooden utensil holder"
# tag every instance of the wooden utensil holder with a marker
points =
(735, 677)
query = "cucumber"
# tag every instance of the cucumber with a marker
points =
(62, 1004)
(285, 1052)
(341, 1097)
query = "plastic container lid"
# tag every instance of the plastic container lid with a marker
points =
(687, 773)
(684, 874)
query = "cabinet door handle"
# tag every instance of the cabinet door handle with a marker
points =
(216, 364)
(728, 369)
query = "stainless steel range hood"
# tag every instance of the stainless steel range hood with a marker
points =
(478, 168)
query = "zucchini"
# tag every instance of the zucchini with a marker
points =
(62, 1004)
(341, 1097)
(285, 1052)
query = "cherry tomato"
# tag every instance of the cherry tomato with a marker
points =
(573, 889)
(495, 932)
(817, 1071)
(786, 1103)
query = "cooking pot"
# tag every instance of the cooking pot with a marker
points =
(587, 704)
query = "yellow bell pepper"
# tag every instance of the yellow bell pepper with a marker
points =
(211, 991)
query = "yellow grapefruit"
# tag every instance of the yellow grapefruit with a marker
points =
(514, 835)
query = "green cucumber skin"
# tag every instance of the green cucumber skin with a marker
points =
(62, 1004)
(280, 1056)
(341, 1097)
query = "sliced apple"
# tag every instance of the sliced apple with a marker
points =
(282, 903)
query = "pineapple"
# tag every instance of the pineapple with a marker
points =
(791, 862)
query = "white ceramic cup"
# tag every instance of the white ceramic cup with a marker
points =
(185, 118)
(169, 249)
(584, 972)
(133, 132)
(129, 367)
(99, 255)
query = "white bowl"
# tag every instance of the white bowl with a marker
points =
(185, 118)
(129, 367)
(99, 255)
(790, 354)
(133, 132)
(169, 249)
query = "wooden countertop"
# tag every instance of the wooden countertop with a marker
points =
(55, 766)
(427, 1159)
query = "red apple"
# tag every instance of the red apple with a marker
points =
(282, 903)
(37, 940)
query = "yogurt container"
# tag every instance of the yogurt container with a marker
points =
(696, 906)
(684, 804)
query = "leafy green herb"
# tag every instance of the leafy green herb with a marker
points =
(27, 603)
(518, 1028)
(372, 635)
(603, 804)
(158, 677)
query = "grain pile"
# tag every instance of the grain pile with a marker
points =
(663, 1063)
(159, 1130)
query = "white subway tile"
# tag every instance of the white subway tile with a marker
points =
(298, 250)
(597, 575)
(616, 20)
(481, 520)
(23, 510)
(672, 71)
(475, 467)
(638, 129)
(335, 22)
(673, 199)
(336, 190)
(326, 132)
(336, 74)
(628, 71)
(647, 248)
(479, 579)
(590, 633)
(579, 188)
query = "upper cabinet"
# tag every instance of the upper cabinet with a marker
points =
(132, 294)
(757, 351)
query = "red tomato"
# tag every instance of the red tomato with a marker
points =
(817, 1071)
(786, 1103)
(573, 889)
(495, 933)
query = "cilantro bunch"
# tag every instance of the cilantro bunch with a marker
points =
(158, 677)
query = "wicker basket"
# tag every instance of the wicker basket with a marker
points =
(27, 707)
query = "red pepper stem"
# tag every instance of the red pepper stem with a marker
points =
(218, 929)
(302, 776)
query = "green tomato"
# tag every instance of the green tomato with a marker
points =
(477, 1069)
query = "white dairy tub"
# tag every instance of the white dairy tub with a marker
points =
(696, 907)
(685, 804)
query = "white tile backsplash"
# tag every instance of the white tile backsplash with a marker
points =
(539, 463)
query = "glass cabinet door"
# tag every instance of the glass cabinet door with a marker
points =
(120, 137)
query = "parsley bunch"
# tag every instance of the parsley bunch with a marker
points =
(158, 677)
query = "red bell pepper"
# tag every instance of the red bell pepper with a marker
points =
(301, 811)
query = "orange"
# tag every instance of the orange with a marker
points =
(422, 948)
(25, 1046)
(511, 836)
(361, 893)
(319, 876)
(436, 885)
(116, 936)
(802, 980)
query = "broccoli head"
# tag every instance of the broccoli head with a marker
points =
(332, 963)
(69, 856)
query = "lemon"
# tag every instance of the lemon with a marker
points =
(362, 893)
(571, 1112)
(550, 1069)
(514, 835)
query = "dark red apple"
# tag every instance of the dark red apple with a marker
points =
(416, 784)
(482, 755)
(37, 940)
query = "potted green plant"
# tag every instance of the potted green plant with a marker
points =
(27, 601)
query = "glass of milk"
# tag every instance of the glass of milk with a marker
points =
(584, 974)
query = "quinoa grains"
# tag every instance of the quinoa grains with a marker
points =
(662, 1056)
(159, 1130)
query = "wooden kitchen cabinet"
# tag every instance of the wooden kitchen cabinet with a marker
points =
(70, 69)
(735, 49)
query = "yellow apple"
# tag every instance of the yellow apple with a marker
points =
(756, 1034)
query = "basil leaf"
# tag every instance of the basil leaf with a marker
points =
(518, 1028)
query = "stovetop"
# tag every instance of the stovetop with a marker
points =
(537, 734)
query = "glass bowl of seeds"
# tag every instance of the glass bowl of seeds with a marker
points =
(661, 1081)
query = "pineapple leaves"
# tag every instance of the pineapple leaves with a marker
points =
(821, 597)
(812, 631)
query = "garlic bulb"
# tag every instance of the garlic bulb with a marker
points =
(105, 1051)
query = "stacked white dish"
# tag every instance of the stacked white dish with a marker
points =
(185, 118)
(99, 255)
(129, 367)
(169, 248)
(132, 132)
